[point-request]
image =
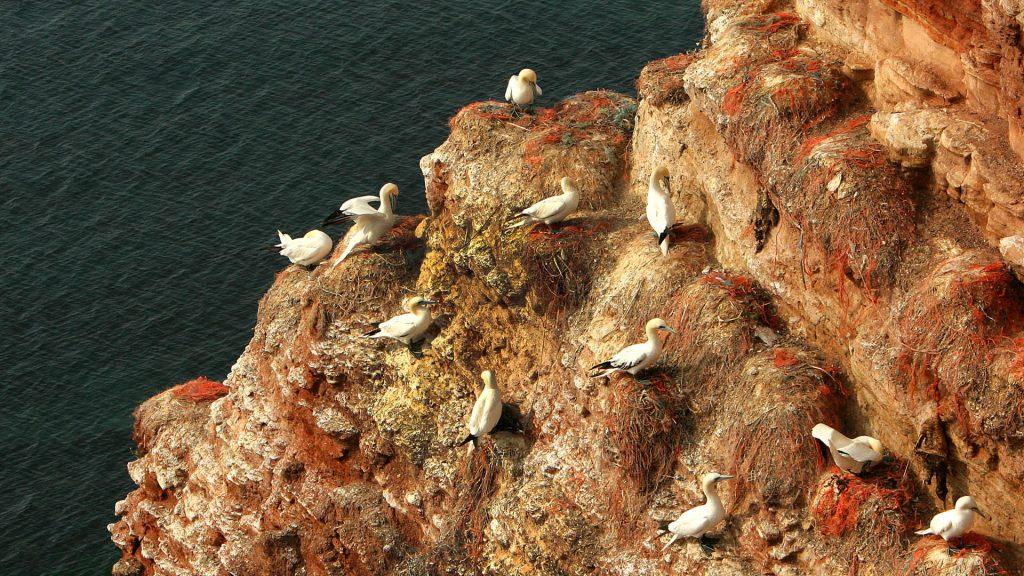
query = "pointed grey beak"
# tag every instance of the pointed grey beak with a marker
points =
(726, 477)
(427, 302)
(394, 202)
(982, 514)
(668, 329)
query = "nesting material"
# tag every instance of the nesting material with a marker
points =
(977, 557)
(661, 81)
(960, 329)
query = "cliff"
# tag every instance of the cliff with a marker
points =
(843, 174)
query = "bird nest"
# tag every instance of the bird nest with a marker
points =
(559, 262)
(662, 81)
(876, 507)
(771, 407)
(185, 408)
(960, 333)
(977, 556)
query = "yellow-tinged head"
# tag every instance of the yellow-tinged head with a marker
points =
(389, 190)
(488, 377)
(660, 172)
(875, 444)
(713, 478)
(528, 75)
(314, 233)
(658, 324)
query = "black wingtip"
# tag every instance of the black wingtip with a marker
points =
(602, 366)
(336, 217)
(470, 438)
(664, 234)
(376, 330)
(275, 249)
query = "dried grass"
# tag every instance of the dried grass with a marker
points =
(661, 81)
(960, 330)
(559, 262)
(977, 557)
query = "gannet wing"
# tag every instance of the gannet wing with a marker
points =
(859, 452)
(300, 249)
(656, 215)
(629, 357)
(399, 326)
(359, 206)
(476, 418)
(693, 522)
(508, 89)
(546, 208)
(941, 524)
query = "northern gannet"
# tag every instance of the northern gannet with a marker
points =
(486, 410)
(635, 358)
(522, 88)
(407, 328)
(307, 251)
(552, 209)
(953, 523)
(371, 224)
(661, 213)
(854, 456)
(696, 522)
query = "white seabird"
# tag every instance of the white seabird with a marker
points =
(954, 523)
(553, 209)
(306, 251)
(661, 213)
(407, 328)
(696, 522)
(486, 410)
(371, 224)
(854, 456)
(635, 358)
(522, 88)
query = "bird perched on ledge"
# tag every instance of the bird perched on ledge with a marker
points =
(553, 209)
(486, 410)
(954, 523)
(371, 224)
(522, 88)
(696, 522)
(407, 328)
(855, 456)
(661, 213)
(635, 358)
(307, 251)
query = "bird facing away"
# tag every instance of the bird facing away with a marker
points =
(522, 88)
(661, 213)
(696, 522)
(306, 251)
(406, 328)
(371, 224)
(954, 523)
(486, 410)
(553, 209)
(635, 358)
(855, 456)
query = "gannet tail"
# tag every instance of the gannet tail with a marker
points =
(671, 542)
(924, 532)
(663, 243)
(376, 330)
(663, 527)
(606, 366)
(513, 218)
(470, 438)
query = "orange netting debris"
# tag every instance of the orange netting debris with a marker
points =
(641, 423)
(878, 506)
(661, 81)
(752, 298)
(960, 329)
(784, 358)
(561, 257)
(199, 390)
(976, 556)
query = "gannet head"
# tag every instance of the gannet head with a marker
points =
(389, 194)
(968, 503)
(314, 233)
(567, 185)
(658, 324)
(416, 302)
(528, 75)
(488, 377)
(875, 444)
(660, 173)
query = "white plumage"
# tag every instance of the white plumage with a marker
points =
(371, 224)
(953, 523)
(696, 522)
(523, 88)
(852, 455)
(306, 251)
(406, 328)
(553, 209)
(661, 213)
(486, 410)
(637, 357)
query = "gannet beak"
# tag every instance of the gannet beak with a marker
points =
(982, 514)
(726, 477)
(394, 202)
(669, 329)
(336, 217)
(427, 302)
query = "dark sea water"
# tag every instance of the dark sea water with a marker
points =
(148, 148)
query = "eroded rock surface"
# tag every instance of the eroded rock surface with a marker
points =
(841, 201)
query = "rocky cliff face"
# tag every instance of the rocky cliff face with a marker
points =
(842, 174)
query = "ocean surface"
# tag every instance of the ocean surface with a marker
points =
(147, 149)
